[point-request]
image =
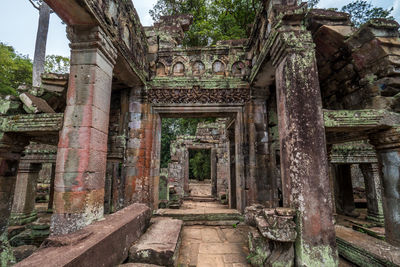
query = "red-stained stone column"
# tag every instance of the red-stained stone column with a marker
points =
(138, 183)
(387, 146)
(82, 148)
(304, 160)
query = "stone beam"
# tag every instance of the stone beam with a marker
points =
(51, 122)
(121, 25)
(356, 120)
(354, 125)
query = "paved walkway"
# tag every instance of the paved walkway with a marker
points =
(216, 246)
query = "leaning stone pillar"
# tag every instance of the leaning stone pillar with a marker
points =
(372, 181)
(23, 209)
(304, 160)
(82, 148)
(10, 153)
(387, 145)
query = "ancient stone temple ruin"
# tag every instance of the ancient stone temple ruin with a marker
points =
(305, 150)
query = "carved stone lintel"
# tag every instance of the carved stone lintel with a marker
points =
(196, 95)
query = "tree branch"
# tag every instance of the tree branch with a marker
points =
(33, 4)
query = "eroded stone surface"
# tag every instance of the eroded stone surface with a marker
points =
(159, 245)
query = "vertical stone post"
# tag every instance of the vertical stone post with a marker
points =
(82, 148)
(23, 209)
(10, 153)
(304, 159)
(264, 186)
(372, 181)
(51, 195)
(213, 158)
(387, 145)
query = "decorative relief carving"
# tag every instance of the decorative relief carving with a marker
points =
(218, 68)
(198, 68)
(197, 95)
(178, 69)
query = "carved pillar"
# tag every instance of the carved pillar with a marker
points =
(304, 159)
(344, 190)
(387, 145)
(372, 181)
(10, 153)
(23, 209)
(82, 148)
(264, 187)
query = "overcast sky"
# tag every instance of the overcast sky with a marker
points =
(18, 20)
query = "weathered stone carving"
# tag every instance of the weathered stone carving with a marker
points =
(271, 242)
(196, 95)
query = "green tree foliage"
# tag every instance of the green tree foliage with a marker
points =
(213, 19)
(56, 64)
(171, 128)
(199, 164)
(362, 11)
(15, 69)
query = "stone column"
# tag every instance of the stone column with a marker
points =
(304, 159)
(82, 148)
(10, 153)
(264, 186)
(214, 177)
(372, 181)
(51, 194)
(139, 150)
(23, 209)
(344, 190)
(387, 145)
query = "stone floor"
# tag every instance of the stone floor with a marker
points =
(217, 246)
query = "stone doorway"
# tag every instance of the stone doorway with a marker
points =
(200, 175)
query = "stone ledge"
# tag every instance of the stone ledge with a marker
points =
(107, 245)
(365, 250)
(45, 122)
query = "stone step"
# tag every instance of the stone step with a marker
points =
(159, 245)
(194, 215)
(138, 265)
(200, 198)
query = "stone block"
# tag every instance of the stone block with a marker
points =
(33, 104)
(159, 245)
(118, 231)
